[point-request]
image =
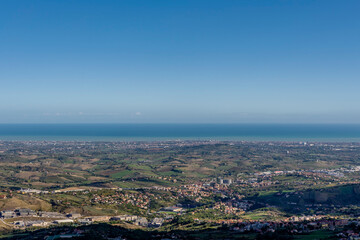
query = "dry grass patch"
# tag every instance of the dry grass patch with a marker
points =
(42, 184)
(24, 202)
(95, 178)
(27, 175)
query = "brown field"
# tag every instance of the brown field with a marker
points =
(24, 202)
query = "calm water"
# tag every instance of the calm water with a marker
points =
(124, 132)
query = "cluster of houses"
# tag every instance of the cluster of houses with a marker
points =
(40, 223)
(338, 173)
(22, 212)
(305, 224)
(140, 200)
(233, 206)
(25, 212)
(28, 216)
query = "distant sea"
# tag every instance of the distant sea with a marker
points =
(152, 132)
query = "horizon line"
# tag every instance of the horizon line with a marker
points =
(185, 123)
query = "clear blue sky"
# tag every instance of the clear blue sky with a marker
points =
(180, 61)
